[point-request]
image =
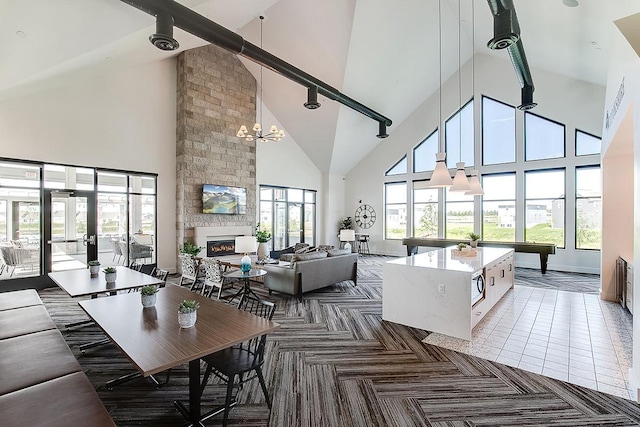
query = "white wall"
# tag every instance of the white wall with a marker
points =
(625, 125)
(575, 103)
(284, 164)
(121, 120)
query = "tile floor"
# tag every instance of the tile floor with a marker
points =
(569, 336)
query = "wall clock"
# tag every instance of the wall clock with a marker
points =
(365, 216)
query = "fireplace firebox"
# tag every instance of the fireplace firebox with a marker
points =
(220, 247)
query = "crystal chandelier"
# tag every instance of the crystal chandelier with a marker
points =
(258, 134)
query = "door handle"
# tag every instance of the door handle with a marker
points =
(91, 240)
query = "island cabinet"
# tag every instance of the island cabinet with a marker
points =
(446, 291)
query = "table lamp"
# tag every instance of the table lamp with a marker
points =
(245, 244)
(347, 236)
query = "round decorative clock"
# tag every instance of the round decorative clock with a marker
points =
(365, 216)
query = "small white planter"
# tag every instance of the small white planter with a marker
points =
(111, 277)
(94, 270)
(148, 300)
(473, 243)
(187, 320)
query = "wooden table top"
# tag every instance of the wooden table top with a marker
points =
(17, 299)
(80, 283)
(152, 339)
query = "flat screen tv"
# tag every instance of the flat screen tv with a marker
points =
(220, 199)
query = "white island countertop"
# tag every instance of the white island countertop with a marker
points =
(444, 259)
(443, 291)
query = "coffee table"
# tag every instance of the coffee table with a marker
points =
(246, 287)
(153, 341)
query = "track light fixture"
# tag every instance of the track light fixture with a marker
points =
(382, 130)
(312, 98)
(163, 37)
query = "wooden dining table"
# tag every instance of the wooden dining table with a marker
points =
(79, 283)
(154, 342)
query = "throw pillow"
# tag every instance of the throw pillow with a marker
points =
(338, 252)
(309, 256)
(325, 247)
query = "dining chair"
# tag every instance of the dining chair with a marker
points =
(213, 277)
(234, 365)
(159, 273)
(190, 267)
(117, 250)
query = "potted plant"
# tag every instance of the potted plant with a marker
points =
(94, 268)
(110, 274)
(262, 236)
(187, 313)
(190, 248)
(462, 247)
(148, 295)
(473, 239)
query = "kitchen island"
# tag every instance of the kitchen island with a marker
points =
(444, 290)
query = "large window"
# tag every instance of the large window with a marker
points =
(289, 214)
(588, 207)
(395, 210)
(499, 207)
(459, 215)
(424, 155)
(544, 204)
(498, 132)
(587, 144)
(543, 138)
(425, 210)
(459, 137)
(399, 168)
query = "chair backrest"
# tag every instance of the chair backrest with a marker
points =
(116, 247)
(261, 308)
(9, 255)
(160, 274)
(189, 266)
(123, 248)
(212, 271)
(136, 266)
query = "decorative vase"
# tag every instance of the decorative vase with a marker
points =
(473, 243)
(148, 300)
(110, 277)
(263, 251)
(187, 320)
(245, 264)
(94, 270)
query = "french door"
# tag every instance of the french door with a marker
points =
(69, 229)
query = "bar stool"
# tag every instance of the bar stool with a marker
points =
(363, 244)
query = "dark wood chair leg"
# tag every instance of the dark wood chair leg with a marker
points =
(264, 386)
(543, 262)
(227, 403)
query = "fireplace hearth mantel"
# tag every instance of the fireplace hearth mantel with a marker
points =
(204, 234)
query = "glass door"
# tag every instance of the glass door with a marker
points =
(295, 223)
(70, 229)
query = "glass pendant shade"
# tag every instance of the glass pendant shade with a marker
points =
(440, 177)
(474, 184)
(460, 181)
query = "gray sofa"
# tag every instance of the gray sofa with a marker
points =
(308, 272)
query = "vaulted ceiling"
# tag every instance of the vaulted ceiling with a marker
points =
(386, 57)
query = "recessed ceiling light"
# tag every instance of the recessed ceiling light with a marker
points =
(570, 3)
(21, 34)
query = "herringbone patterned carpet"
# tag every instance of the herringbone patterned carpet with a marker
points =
(334, 362)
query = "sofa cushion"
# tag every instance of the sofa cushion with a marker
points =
(338, 252)
(307, 257)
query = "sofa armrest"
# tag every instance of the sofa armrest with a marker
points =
(282, 279)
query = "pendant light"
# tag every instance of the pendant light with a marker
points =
(440, 177)
(460, 181)
(474, 181)
(274, 134)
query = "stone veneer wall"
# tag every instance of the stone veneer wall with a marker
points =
(215, 95)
